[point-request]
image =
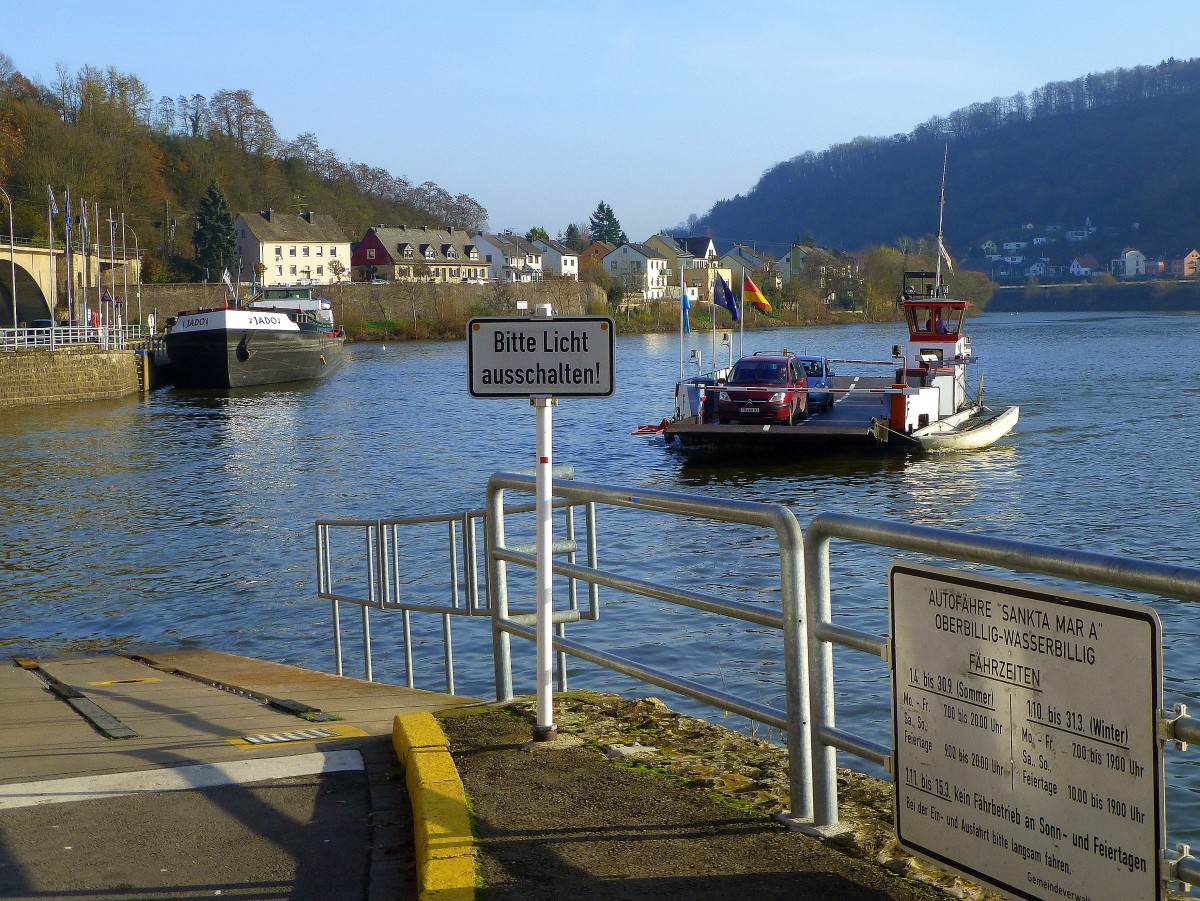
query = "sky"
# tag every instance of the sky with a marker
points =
(540, 110)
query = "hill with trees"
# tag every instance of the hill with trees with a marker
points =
(102, 133)
(1116, 147)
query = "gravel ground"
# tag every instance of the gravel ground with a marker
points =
(559, 819)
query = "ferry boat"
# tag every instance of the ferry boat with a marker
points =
(922, 403)
(282, 335)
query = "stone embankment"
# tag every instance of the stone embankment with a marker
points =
(68, 375)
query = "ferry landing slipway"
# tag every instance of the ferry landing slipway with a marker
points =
(189, 773)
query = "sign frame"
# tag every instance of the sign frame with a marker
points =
(507, 355)
(1011, 658)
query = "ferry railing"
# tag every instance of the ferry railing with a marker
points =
(788, 620)
(367, 563)
(1086, 567)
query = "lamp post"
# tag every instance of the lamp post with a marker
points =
(11, 259)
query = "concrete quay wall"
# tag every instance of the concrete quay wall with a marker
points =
(68, 375)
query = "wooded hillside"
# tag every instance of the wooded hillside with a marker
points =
(102, 134)
(1116, 146)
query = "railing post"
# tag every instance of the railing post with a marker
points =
(498, 592)
(795, 655)
(820, 663)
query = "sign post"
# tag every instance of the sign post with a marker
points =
(543, 359)
(544, 727)
(1026, 744)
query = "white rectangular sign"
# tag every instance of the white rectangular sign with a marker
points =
(565, 356)
(1025, 729)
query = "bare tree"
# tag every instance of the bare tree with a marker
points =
(235, 115)
(193, 113)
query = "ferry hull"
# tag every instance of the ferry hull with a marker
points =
(238, 359)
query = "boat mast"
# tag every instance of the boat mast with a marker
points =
(937, 284)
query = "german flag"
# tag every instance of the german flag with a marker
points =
(751, 292)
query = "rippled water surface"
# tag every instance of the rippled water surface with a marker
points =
(188, 518)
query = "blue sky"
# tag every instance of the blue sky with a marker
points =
(539, 110)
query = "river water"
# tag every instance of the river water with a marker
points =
(186, 518)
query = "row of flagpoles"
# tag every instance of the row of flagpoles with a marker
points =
(722, 297)
(89, 213)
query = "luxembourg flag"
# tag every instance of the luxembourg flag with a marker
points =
(53, 203)
(684, 306)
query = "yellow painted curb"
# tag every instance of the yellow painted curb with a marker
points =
(441, 826)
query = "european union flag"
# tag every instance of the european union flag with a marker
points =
(725, 298)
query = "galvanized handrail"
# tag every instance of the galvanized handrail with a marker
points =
(1166, 580)
(381, 547)
(790, 620)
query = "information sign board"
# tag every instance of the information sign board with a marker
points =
(1025, 727)
(563, 356)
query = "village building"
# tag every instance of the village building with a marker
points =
(289, 249)
(406, 254)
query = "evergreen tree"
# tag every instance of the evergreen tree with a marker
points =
(606, 227)
(216, 243)
(537, 233)
(575, 238)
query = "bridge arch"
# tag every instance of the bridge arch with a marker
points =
(32, 303)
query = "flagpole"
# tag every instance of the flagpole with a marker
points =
(742, 317)
(84, 240)
(124, 266)
(682, 314)
(114, 322)
(714, 323)
(53, 268)
(70, 268)
(99, 274)
(941, 208)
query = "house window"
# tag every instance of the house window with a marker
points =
(278, 251)
(370, 253)
(292, 271)
(408, 251)
(320, 270)
(474, 254)
(332, 251)
(292, 251)
(306, 251)
(429, 253)
(279, 270)
(319, 250)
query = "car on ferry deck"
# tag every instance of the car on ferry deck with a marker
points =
(764, 388)
(820, 383)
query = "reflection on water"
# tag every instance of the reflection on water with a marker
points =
(186, 518)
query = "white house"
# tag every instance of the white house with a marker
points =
(638, 268)
(558, 258)
(510, 258)
(286, 249)
(1130, 264)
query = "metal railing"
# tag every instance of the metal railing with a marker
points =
(804, 616)
(788, 620)
(1164, 580)
(57, 336)
(384, 582)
